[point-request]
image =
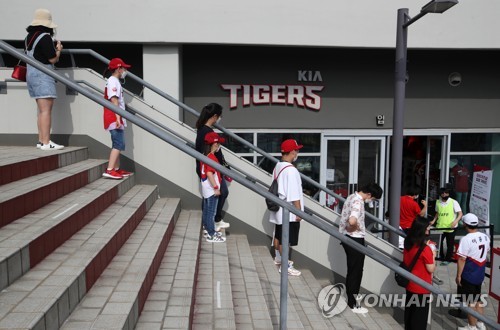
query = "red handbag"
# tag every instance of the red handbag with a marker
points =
(19, 72)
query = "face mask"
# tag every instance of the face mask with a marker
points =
(295, 159)
(219, 120)
(123, 75)
(445, 198)
(218, 149)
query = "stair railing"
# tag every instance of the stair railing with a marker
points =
(174, 141)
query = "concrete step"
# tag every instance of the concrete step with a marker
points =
(170, 304)
(250, 309)
(17, 163)
(27, 241)
(24, 196)
(45, 296)
(372, 320)
(270, 282)
(117, 298)
(214, 307)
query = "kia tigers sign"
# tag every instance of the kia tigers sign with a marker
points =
(300, 95)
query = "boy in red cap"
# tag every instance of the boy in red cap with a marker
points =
(290, 190)
(210, 187)
(113, 122)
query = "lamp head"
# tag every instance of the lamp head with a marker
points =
(438, 6)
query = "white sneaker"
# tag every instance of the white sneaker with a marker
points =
(216, 239)
(205, 233)
(480, 325)
(468, 327)
(359, 310)
(221, 225)
(278, 262)
(39, 145)
(51, 146)
(292, 271)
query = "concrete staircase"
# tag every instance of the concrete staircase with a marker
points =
(81, 252)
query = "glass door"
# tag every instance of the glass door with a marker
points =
(351, 162)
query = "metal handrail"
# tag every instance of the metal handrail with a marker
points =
(174, 141)
(226, 131)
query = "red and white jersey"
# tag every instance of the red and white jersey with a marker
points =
(113, 89)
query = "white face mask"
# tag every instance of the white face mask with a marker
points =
(123, 75)
(218, 120)
(218, 149)
(295, 158)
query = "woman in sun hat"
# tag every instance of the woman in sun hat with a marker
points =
(41, 46)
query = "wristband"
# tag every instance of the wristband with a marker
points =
(216, 187)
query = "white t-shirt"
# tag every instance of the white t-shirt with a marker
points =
(289, 189)
(475, 248)
(114, 88)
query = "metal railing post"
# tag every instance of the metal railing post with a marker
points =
(285, 234)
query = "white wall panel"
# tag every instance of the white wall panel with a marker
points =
(361, 23)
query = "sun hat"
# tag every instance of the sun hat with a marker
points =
(116, 63)
(43, 17)
(290, 145)
(470, 219)
(213, 137)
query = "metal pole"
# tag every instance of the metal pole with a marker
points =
(285, 234)
(398, 122)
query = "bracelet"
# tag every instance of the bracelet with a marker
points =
(216, 187)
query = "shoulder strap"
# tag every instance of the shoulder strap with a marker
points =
(414, 261)
(26, 45)
(37, 40)
(281, 171)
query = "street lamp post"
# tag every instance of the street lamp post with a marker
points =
(403, 21)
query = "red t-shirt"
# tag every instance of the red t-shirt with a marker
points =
(419, 268)
(461, 175)
(409, 210)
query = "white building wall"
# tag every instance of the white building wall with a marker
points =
(361, 23)
(161, 68)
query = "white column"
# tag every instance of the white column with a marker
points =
(162, 69)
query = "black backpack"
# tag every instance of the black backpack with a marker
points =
(273, 189)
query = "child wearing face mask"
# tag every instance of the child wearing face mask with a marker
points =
(113, 122)
(210, 187)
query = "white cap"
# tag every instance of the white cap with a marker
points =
(470, 219)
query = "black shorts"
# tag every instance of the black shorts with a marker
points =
(469, 292)
(294, 233)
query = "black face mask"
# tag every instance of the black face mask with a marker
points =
(445, 198)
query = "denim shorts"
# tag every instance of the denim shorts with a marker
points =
(118, 139)
(40, 85)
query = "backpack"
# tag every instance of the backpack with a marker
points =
(273, 189)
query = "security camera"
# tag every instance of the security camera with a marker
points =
(455, 79)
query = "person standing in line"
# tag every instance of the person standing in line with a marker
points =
(471, 265)
(211, 114)
(113, 122)
(409, 209)
(210, 187)
(290, 190)
(418, 298)
(41, 46)
(352, 224)
(448, 214)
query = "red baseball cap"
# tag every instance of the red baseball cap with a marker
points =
(213, 137)
(290, 145)
(116, 63)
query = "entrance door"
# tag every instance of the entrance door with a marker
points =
(425, 167)
(349, 163)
